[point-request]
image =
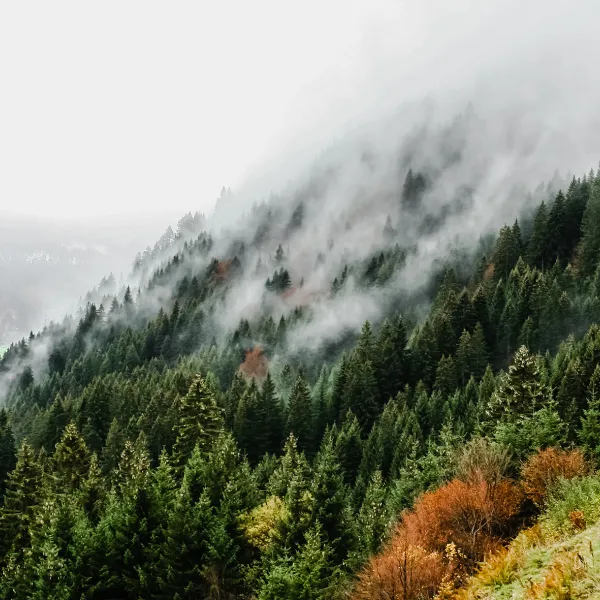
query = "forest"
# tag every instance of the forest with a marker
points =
(151, 448)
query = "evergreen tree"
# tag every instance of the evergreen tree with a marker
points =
(22, 496)
(589, 250)
(299, 414)
(557, 243)
(330, 506)
(361, 394)
(56, 421)
(199, 420)
(71, 460)
(521, 391)
(538, 242)
(273, 416)
(571, 396)
(348, 447)
(445, 379)
(506, 253)
(391, 358)
(309, 575)
(372, 519)
(8, 458)
(589, 435)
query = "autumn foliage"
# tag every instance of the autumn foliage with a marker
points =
(544, 469)
(255, 364)
(445, 535)
(402, 572)
(223, 269)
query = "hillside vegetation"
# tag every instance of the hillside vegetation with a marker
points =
(219, 428)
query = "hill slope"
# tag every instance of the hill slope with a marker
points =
(251, 413)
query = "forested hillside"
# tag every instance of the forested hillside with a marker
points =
(321, 399)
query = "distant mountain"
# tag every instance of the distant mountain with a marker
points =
(46, 266)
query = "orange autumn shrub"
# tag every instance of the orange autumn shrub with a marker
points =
(471, 518)
(543, 470)
(255, 364)
(475, 515)
(402, 572)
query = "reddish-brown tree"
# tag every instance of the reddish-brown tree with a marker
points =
(442, 538)
(543, 470)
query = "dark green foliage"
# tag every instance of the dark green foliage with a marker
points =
(71, 460)
(23, 493)
(589, 251)
(299, 414)
(8, 458)
(198, 422)
(521, 391)
(139, 478)
(279, 282)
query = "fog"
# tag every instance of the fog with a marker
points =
(328, 104)
(47, 265)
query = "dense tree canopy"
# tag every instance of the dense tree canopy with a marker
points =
(159, 457)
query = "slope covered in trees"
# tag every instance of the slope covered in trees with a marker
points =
(210, 431)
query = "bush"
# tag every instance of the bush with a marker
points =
(445, 535)
(403, 572)
(482, 458)
(543, 470)
(261, 525)
(581, 495)
(476, 516)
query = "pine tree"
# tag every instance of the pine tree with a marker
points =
(445, 378)
(329, 499)
(557, 243)
(21, 498)
(521, 391)
(361, 393)
(412, 191)
(571, 396)
(93, 491)
(320, 409)
(8, 458)
(340, 379)
(273, 416)
(309, 575)
(589, 434)
(589, 249)
(199, 420)
(71, 460)
(372, 519)
(299, 414)
(94, 415)
(538, 242)
(279, 254)
(348, 447)
(391, 360)
(576, 202)
(252, 423)
(111, 453)
(292, 464)
(57, 420)
(134, 464)
(506, 253)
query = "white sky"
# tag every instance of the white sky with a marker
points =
(122, 106)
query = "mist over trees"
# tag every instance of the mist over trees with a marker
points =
(298, 403)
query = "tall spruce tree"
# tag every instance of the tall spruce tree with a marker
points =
(199, 420)
(22, 496)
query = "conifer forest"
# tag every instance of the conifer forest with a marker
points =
(300, 300)
(151, 447)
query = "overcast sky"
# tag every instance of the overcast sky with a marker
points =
(120, 106)
(127, 106)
